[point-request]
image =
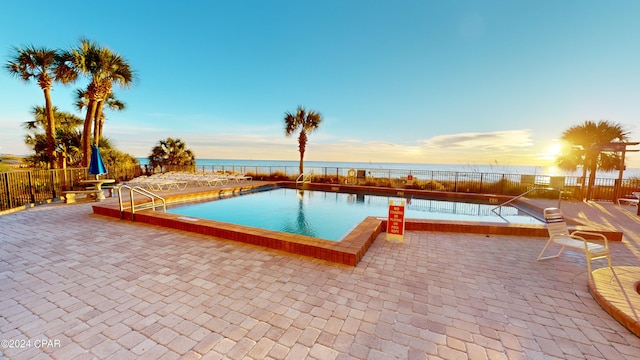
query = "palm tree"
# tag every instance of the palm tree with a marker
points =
(583, 151)
(82, 101)
(171, 152)
(67, 136)
(64, 120)
(306, 122)
(104, 68)
(43, 65)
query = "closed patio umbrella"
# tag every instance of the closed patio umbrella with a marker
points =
(96, 167)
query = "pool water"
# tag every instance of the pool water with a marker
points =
(331, 215)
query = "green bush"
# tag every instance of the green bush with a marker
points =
(433, 185)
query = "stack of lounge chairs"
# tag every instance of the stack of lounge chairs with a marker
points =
(158, 182)
(180, 180)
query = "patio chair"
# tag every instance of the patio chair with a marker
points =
(559, 235)
(238, 177)
(630, 201)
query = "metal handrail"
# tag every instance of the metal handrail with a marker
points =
(525, 193)
(304, 178)
(141, 191)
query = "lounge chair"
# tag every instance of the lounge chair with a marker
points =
(158, 183)
(213, 180)
(630, 201)
(559, 235)
(237, 177)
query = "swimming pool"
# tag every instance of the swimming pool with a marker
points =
(332, 215)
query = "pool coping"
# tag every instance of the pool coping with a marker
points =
(617, 290)
(349, 251)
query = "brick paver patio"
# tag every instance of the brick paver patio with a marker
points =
(79, 286)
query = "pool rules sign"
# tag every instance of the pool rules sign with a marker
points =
(395, 221)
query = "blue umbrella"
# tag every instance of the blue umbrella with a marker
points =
(96, 167)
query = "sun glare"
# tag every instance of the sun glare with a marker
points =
(554, 149)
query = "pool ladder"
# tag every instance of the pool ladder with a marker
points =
(304, 178)
(143, 192)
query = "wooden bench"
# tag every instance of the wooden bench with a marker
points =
(70, 196)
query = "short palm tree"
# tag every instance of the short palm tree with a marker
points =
(306, 122)
(104, 68)
(171, 152)
(43, 65)
(64, 120)
(583, 152)
(67, 137)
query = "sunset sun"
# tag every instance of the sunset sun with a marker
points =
(554, 150)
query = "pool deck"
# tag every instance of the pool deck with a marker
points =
(98, 287)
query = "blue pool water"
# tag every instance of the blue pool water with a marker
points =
(331, 215)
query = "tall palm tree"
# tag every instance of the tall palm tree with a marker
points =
(583, 151)
(43, 65)
(306, 122)
(112, 103)
(104, 68)
(171, 152)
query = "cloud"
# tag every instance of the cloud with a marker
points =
(506, 147)
(498, 140)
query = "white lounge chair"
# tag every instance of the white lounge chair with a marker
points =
(158, 182)
(237, 177)
(559, 235)
(214, 180)
(630, 201)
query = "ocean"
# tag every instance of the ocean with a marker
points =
(497, 169)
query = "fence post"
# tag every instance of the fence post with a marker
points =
(53, 183)
(32, 195)
(7, 187)
(455, 183)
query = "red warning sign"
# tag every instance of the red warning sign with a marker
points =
(395, 221)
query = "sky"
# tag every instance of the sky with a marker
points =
(436, 82)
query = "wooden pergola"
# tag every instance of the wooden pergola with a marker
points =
(617, 147)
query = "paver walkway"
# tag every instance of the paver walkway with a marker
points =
(95, 287)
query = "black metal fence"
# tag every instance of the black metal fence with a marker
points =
(604, 189)
(19, 188)
(23, 187)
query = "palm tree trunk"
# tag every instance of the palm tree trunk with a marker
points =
(302, 145)
(301, 163)
(97, 128)
(51, 129)
(583, 192)
(86, 132)
(100, 126)
(592, 177)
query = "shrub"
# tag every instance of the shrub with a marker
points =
(433, 185)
